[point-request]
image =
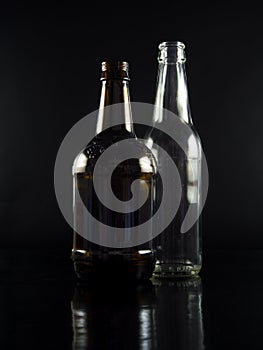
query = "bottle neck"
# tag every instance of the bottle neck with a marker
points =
(172, 91)
(115, 89)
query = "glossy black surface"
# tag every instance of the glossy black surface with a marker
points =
(44, 307)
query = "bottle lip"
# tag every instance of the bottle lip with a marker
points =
(115, 65)
(117, 70)
(165, 44)
(171, 52)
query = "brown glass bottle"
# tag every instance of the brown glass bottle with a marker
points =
(92, 260)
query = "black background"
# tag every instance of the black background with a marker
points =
(50, 62)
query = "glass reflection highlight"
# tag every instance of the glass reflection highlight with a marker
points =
(113, 316)
(161, 315)
(179, 320)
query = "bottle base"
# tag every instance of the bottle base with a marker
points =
(113, 269)
(178, 270)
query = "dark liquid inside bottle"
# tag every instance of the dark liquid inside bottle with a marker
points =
(95, 261)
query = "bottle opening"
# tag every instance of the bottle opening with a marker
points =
(171, 52)
(115, 65)
(115, 70)
(171, 44)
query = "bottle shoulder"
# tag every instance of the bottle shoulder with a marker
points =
(186, 147)
(86, 160)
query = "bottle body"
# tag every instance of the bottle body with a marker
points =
(91, 259)
(178, 253)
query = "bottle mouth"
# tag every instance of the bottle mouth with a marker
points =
(171, 52)
(115, 65)
(115, 70)
(165, 44)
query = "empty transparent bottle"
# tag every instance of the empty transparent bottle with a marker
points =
(178, 253)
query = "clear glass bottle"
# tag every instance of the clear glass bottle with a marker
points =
(177, 253)
(94, 260)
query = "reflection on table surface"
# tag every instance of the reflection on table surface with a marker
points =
(43, 306)
(156, 314)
